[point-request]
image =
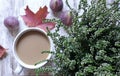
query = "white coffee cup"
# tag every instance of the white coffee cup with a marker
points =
(23, 64)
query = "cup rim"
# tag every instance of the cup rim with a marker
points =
(17, 57)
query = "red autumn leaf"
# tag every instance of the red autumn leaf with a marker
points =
(33, 19)
(2, 51)
(49, 25)
(42, 13)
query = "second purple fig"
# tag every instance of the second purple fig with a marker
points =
(66, 17)
(56, 5)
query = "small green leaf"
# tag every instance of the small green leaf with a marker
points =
(89, 69)
(117, 44)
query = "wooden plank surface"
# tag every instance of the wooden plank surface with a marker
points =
(16, 8)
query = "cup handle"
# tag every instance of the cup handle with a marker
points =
(18, 69)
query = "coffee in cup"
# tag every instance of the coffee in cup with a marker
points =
(29, 45)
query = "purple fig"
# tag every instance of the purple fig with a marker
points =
(11, 23)
(66, 17)
(56, 5)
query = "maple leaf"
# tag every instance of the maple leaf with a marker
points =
(2, 51)
(33, 19)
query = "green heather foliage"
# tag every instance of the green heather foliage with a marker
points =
(92, 47)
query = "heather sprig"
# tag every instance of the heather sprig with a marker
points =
(92, 47)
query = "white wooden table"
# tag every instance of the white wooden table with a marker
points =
(16, 8)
